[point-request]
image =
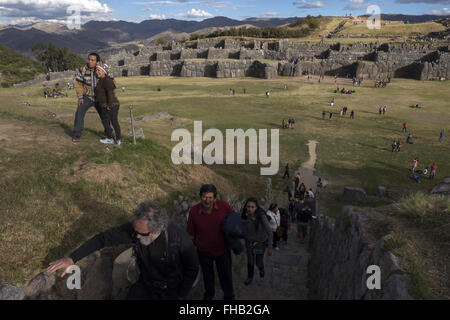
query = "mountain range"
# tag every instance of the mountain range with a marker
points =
(97, 35)
(111, 36)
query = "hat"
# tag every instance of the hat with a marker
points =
(104, 67)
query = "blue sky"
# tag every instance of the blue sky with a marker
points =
(27, 11)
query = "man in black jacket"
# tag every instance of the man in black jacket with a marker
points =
(164, 252)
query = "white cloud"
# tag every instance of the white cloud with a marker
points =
(54, 10)
(159, 3)
(157, 16)
(303, 4)
(268, 14)
(356, 5)
(195, 14)
(443, 12)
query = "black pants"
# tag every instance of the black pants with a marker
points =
(285, 234)
(139, 291)
(286, 173)
(275, 240)
(78, 125)
(224, 271)
(111, 117)
(251, 257)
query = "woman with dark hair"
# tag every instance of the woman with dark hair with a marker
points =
(258, 239)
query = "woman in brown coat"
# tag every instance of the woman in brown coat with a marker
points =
(105, 96)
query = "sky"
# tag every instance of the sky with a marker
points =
(30, 11)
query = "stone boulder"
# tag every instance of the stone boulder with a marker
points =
(381, 191)
(9, 292)
(442, 188)
(354, 194)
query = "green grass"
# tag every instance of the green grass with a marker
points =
(15, 68)
(42, 189)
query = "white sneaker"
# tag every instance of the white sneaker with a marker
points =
(276, 248)
(107, 141)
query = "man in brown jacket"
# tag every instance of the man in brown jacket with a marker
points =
(85, 83)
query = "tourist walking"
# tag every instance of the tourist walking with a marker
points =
(204, 226)
(352, 115)
(286, 171)
(405, 125)
(441, 135)
(163, 251)
(285, 223)
(259, 237)
(414, 165)
(274, 218)
(433, 171)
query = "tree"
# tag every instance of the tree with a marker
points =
(56, 59)
(161, 41)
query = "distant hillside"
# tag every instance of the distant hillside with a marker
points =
(114, 33)
(16, 68)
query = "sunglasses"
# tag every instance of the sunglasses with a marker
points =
(142, 234)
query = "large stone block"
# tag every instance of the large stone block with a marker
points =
(354, 194)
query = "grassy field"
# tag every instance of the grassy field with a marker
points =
(391, 29)
(15, 68)
(55, 195)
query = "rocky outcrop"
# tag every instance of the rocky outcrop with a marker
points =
(368, 61)
(341, 253)
(49, 78)
(442, 189)
(354, 194)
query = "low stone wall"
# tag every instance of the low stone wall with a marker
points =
(52, 76)
(341, 252)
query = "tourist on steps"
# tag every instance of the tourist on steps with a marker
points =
(204, 226)
(154, 239)
(259, 237)
(273, 215)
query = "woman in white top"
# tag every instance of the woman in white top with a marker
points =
(274, 217)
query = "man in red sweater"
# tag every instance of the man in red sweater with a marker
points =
(204, 227)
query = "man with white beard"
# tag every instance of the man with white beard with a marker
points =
(164, 252)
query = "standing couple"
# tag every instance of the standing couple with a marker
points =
(95, 88)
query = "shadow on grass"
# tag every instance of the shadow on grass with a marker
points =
(68, 130)
(96, 215)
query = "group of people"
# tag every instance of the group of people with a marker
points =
(382, 83)
(53, 93)
(357, 82)
(344, 91)
(170, 257)
(288, 124)
(417, 172)
(343, 112)
(382, 110)
(96, 88)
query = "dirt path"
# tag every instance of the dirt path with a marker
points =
(307, 168)
(286, 273)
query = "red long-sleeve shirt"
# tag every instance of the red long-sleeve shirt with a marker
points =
(206, 230)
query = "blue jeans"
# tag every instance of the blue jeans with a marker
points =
(251, 257)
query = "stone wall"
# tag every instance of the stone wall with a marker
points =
(340, 253)
(52, 76)
(369, 61)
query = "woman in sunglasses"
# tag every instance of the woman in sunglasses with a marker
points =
(258, 239)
